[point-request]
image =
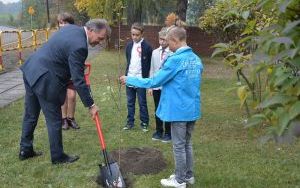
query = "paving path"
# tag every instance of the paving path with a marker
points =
(11, 87)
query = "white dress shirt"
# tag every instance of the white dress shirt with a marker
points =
(159, 55)
(135, 66)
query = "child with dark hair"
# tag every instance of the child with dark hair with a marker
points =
(138, 56)
(65, 18)
(68, 108)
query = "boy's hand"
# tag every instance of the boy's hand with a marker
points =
(123, 80)
(150, 92)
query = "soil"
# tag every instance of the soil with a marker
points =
(137, 161)
(140, 160)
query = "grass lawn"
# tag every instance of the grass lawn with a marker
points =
(226, 155)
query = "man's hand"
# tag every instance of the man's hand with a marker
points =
(123, 80)
(93, 111)
(150, 92)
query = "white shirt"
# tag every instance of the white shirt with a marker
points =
(87, 39)
(158, 58)
(135, 66)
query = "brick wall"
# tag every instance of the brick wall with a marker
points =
(197, 39)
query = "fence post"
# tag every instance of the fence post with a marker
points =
(1, 60)
(20, 47)
(47, 33)
(34, 43)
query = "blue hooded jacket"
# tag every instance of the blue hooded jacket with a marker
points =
(180, 78)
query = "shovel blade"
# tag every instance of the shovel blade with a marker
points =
(111, 176)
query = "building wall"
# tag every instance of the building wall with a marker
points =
(200, 41)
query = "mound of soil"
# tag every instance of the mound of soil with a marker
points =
(139, 160)
(136, 161)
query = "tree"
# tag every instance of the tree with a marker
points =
(134, 11)
(110, 10)
(145, 11)
(196, 9)
(263, 38)
(181, 9)
(151, 11)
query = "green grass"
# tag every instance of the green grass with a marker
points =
(226, 155)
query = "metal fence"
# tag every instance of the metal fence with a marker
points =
(17, 45)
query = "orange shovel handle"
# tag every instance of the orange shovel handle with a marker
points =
(99, 131)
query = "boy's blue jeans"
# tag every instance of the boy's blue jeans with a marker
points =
(182, 147)
(131, 93)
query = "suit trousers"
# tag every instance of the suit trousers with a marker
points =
(52, 112)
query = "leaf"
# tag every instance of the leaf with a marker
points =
(294, 110)
(296, 62)
(290, 26)
(231, 13)
(263, 3)
(221, 45)
(245, 39)
(229, 25)
(284, 5)
(245, 14)
(283, 54)
(242, 93)
(255, 120)
(276, 99)
(283, 40)
(280, 80)
(218, 51)
(251, 24)
(289, 83)
(258, 57)
(283, 122)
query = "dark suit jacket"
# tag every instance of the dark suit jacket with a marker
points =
(146, 57)
(49, 69)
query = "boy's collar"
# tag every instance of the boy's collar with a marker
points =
(139, 41)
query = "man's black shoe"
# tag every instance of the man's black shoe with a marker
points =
(23, 155)
(65, 159)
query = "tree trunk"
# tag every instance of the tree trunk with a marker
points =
(181, 9)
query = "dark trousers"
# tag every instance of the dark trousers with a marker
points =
(159, 122)
(52, 112)
(131, 93)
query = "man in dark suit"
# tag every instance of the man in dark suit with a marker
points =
(46, 74)
(138, 56)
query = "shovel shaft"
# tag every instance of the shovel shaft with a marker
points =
(100, 134)
(106, 161)
(101, 139)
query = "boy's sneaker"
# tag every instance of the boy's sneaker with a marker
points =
(128, 127)
(190, 180)
(144, 127)
(157, 136)
(167, 138)
(172, 182)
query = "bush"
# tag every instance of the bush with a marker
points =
(262, 36)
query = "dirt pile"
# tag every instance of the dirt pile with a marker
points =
(140, 160)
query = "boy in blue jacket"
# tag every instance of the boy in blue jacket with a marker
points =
(180, 78)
